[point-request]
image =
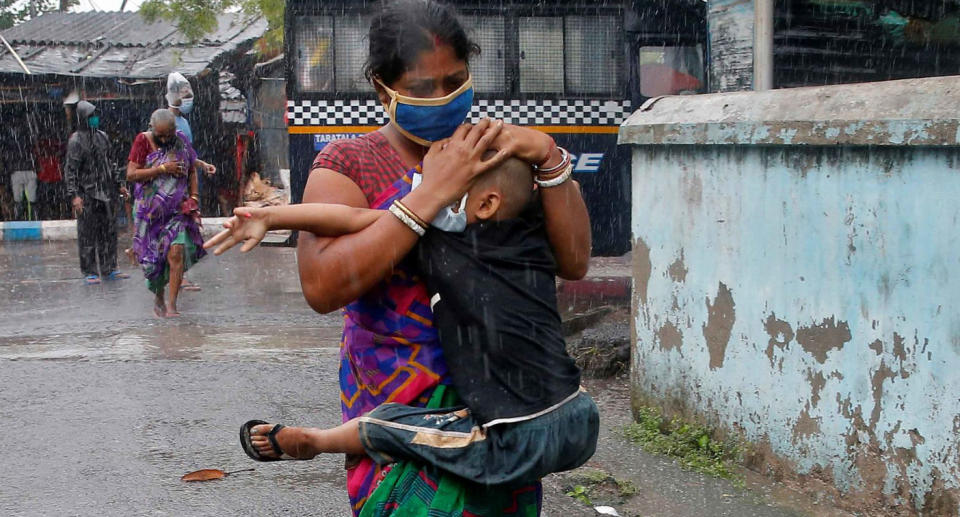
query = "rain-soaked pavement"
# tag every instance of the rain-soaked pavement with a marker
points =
(105, 406)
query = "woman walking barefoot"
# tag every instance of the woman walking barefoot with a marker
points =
(166, 210)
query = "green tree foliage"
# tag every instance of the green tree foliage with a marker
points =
(196, 18)
(13, 12)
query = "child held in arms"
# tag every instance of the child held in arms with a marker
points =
(490, 273)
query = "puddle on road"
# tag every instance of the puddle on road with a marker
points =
(192, 342)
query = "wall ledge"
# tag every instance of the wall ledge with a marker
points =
(912, 112)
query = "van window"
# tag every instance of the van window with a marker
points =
(314, 58)
(541, 54)
(593, 54)
(352, 48)
(489, 68)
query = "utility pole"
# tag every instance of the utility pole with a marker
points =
(122, 5)
(763, 45)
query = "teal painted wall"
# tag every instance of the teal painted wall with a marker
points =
(807, 298)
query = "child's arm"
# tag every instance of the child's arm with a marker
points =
(250, 225)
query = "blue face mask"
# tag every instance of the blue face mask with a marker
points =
(186, 105)
(425, 121)
(93, 122)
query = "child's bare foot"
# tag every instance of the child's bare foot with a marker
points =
(171, 311)
(294, 442)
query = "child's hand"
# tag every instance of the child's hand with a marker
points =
(248, 225)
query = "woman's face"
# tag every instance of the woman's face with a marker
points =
(436, 73)
(164, 135)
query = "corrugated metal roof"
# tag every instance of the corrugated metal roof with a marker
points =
(107, 44)
(233, 104)
(126, 29)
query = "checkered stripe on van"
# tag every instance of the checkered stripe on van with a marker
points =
(524, 113)
(353, 112)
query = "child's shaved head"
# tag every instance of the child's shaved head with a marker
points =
(512, 179)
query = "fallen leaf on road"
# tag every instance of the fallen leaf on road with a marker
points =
(204, 475)
(208, 474)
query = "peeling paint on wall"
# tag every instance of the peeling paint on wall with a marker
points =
(802, 303)
(670, 337)
(719, 323)
(818, 340)
(677, 270)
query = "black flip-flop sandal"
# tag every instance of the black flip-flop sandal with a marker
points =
(252, 451)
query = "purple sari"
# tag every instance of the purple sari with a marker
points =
(158, 218)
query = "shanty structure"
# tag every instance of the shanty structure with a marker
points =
(121, 45)
(120, 62)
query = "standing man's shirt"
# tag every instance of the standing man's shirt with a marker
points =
(183, 126)
(88, 170)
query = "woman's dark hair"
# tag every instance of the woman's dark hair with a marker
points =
(401, 29)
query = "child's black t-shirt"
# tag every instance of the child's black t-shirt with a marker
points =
(497, 315)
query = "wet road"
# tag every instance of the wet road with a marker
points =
(106, 406)
(109, 406)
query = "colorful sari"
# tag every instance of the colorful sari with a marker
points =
(158, 218)
(390, 353)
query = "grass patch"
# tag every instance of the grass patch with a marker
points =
(594, 486)
(580, 493)
(692, 445)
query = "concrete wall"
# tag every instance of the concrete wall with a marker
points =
(805, 298)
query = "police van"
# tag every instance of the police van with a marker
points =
(573, 69)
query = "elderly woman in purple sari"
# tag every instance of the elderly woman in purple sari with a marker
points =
(161, 165)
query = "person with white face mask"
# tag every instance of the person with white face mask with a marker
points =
(180, 101)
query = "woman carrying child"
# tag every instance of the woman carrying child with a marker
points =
(418, 64)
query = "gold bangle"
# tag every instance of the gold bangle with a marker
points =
(194, 197)
(411, 213)
(163, 167)
(407, 220)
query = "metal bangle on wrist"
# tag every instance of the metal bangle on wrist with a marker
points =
(564, 159)
(556, 180)
(400, 211)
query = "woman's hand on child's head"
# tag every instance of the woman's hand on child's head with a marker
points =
(451, 165)
(530, 145)
(248, 225)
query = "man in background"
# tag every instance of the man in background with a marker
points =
(180, 101)
(93, 186)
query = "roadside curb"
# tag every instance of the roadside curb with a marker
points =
(66, 230)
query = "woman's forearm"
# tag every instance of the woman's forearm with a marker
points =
(194, 185)
(137, 174)
(568, 229)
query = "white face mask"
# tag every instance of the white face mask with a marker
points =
(450, 221)
(447, 220)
